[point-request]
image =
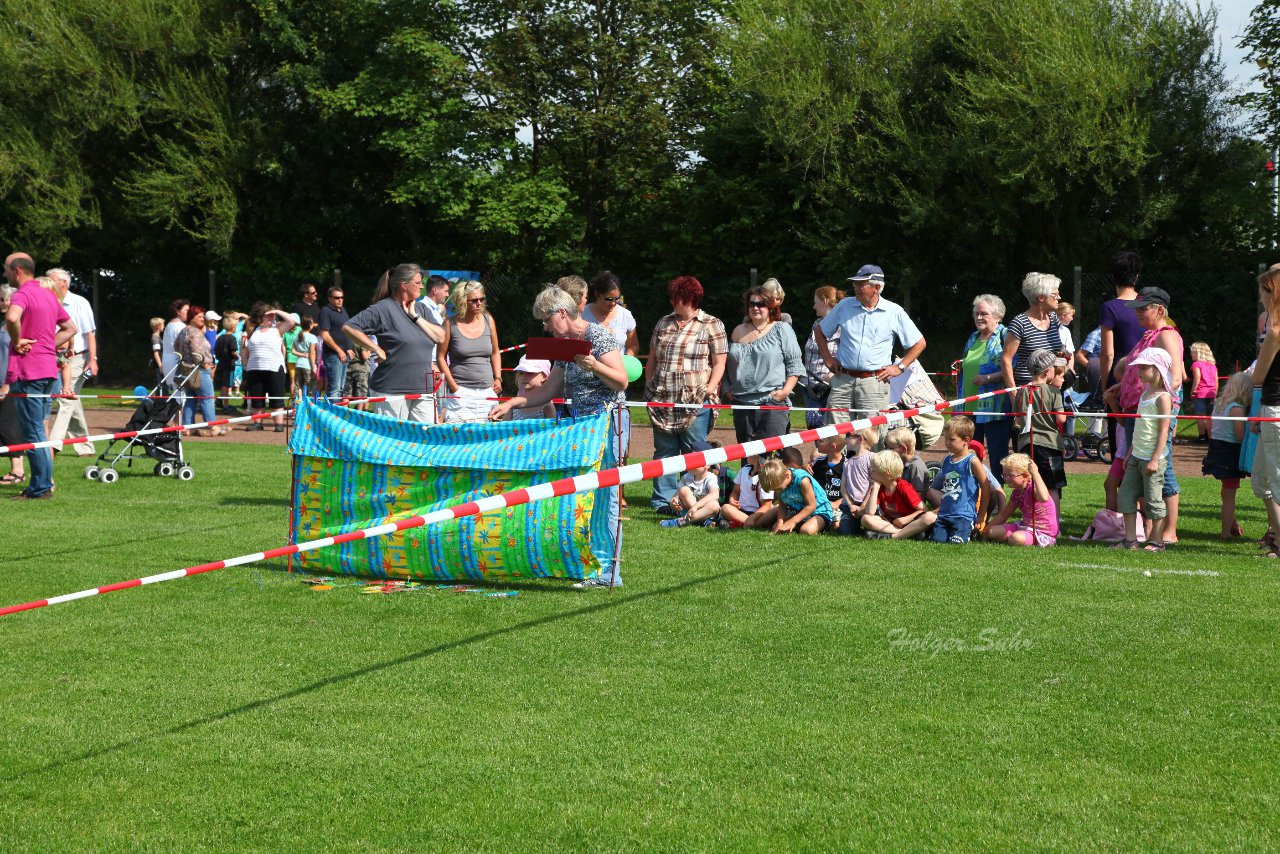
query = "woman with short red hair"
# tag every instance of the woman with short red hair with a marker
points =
(687, 354)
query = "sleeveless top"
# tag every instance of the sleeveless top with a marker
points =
(1146, 429)
(1130, 383)
(959, 489)
(470, 359)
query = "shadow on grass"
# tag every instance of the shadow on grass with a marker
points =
(254, 501)
(162, 536)
(615, 600)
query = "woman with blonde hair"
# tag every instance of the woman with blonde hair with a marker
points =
(1034, 329)
(817, 385)
(468, 356)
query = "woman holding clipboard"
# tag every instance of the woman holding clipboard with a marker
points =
(593, 380)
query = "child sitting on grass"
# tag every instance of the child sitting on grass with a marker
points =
(1144, 470)
(914, 471)
(800, 505)
(959, 490)
(698, 498)
(749, 501)
(856, 482)
(1225, 438)
(902, 513)
(1031, 498)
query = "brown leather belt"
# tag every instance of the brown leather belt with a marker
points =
(857, 375)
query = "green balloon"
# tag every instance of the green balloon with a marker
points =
(634, 368)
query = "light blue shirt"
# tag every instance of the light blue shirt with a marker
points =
(866, 335)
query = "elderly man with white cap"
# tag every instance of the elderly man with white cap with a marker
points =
(863, 364)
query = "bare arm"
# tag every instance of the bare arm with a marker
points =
(1164, 406)
(364, 341)
(66, 331)
(540, 396)
(497, 358)
(984, 492)
(1107, 356)
(632, 347)
(1011, 344)
(608, 368)
(717, 373)
(442, 358)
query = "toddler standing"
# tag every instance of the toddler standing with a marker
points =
(531, 374)
(1042, 440)
(1144, 470)
(1225, 439)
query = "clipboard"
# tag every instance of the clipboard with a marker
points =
(556, 349)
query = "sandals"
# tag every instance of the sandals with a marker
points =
(12, 479)
(1127, 545)
(1155, 547)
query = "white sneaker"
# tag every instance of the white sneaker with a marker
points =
(590, 584)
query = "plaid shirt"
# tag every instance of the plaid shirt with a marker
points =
(681, 357)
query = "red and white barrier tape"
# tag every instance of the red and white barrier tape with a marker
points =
(564, 486)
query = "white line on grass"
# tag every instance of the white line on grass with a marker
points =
(1202, 572)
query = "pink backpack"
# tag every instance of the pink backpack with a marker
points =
(1108, 526)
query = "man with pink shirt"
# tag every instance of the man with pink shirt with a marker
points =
(38, 327)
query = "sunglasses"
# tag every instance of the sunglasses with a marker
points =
(757, 304)
(479, 301)
(612, 299)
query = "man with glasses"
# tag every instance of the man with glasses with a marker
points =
(309, 305)
(863, 366)
(336, 346)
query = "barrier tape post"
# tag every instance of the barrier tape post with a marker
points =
(540, 492)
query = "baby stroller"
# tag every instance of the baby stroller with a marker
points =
(1094, 443)
(154, 411)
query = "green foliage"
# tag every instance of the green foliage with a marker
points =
(1027, 132)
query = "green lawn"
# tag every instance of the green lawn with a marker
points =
(742, 692)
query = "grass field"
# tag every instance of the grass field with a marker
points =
(742, 692)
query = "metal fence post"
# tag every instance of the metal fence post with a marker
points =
(1075, 333)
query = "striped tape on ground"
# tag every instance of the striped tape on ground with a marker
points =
(565, 486)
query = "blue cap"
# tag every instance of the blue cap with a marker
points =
(868, 271)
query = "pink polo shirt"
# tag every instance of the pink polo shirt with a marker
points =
(41, 314)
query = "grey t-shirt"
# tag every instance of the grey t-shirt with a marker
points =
(410, 353)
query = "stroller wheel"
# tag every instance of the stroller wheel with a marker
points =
(1104, 451)
(186, 473)
(108, 476)
(91, 473)
(164, 469)
(1070, 447)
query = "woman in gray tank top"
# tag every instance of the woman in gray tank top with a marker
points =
(469, 359)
